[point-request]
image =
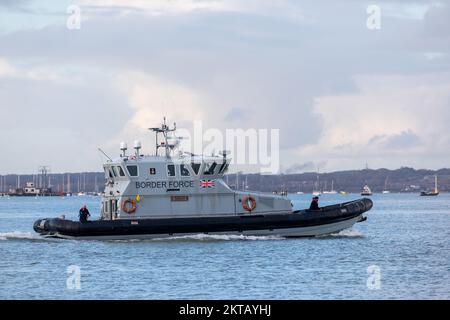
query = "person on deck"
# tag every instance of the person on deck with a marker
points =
(84, 214)
(314, 204)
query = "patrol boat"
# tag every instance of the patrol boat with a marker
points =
(172, 193)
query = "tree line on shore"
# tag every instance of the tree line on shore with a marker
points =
(400, 180)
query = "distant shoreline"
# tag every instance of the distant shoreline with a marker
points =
(403, 180)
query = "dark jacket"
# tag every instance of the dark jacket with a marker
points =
(84, 214)
(314, 205)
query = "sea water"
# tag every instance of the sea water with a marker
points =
(402, 251)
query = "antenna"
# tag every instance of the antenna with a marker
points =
(104, 153)
(164, 130)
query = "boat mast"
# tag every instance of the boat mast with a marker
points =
(164, 129)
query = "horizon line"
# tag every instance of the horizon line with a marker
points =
(247, 173)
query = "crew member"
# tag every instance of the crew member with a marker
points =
(84, 214)
(314, 204)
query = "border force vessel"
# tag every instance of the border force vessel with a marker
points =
(175, 193)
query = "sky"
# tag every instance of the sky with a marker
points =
(343, 95)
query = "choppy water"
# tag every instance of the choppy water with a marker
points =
(406, 238)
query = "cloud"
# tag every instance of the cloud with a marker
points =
(47, 117)
(180, 7)
(6, 69)
(437, 21)
(300, 167)
(13, 3)
(158, 7)
(312, 70)
(236, 114)
(150, 98)
(39, 73)
(400, 117)
(404, 140)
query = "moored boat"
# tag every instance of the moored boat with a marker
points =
(366, 191)
(432, 193)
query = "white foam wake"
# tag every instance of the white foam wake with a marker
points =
(220, 237)
(350, 233)
(19, 235)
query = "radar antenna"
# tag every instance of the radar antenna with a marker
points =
(165, 130)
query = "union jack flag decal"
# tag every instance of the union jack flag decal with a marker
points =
(207, 183)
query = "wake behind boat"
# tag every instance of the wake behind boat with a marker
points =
(175, 194)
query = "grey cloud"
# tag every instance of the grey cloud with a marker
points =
(13, 3)
(437, 21)
(264, 67)
(300, 167)
(236, 114)
(404, 140)
(56, 124)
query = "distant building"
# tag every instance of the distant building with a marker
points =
(30, 189)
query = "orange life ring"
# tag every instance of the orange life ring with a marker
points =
(126, 208)
(249, 203)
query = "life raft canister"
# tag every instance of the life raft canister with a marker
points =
(129, 206)
(249, 203)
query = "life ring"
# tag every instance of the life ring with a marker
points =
(249, 203)
(129, 209)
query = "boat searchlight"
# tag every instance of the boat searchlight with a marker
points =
(137, 146)
(123, 148)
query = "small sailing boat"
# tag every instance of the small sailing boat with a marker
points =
(433, 193)
(386, 191)
(332, 191)
(366, 191)
(316, 191)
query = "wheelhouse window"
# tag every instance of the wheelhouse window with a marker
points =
(224, 167)
(209, 168)
(119, 171)
(171, 170)
(195, 167)
(184, 170)
(109, 173)
(133, 171)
